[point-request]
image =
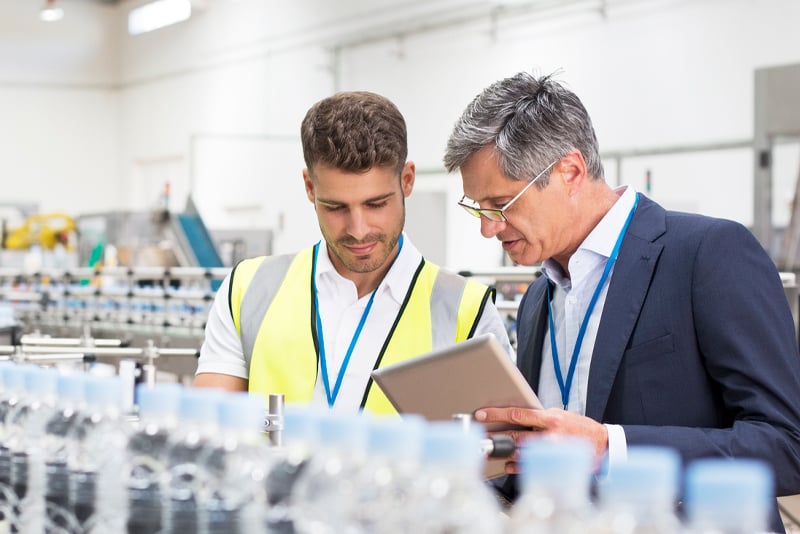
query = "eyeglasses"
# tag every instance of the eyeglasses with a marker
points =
(498, 215)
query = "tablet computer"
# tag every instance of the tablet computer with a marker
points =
(476, 373)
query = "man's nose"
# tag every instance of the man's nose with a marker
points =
(358, 226)
(490, 228)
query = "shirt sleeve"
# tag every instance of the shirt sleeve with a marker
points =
(221, 351)
(617, 446)
(490, 322)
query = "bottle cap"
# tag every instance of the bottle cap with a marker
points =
(650, 477)
(396, 438)
(558, 465)
(158, 400)
(344, 431)
(449, 445)
(242, 411)
(729, 493)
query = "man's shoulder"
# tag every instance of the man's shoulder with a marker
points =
(685, 225)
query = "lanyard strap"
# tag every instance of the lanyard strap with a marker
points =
(331, 395)
(565, 387)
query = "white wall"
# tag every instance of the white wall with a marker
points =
(58, 108)
(654, 75)
(215, 104)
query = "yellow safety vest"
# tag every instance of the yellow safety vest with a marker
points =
(272, 307)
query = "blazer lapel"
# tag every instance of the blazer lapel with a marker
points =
(529, 353)
(630, 281)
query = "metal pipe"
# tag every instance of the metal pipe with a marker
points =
(177, 352)
(66, 341)
(107, 351)
(27, 296)
(71, 357)
(273, 422)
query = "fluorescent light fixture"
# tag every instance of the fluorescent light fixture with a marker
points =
(158, 14)
(51, 13)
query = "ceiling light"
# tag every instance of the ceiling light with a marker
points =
(51, 13)
(158, 14)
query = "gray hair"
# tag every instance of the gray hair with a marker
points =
(531, 122)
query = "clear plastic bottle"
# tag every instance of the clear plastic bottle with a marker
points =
(324, 496)
(145, 455)
(94, 458)
(70, 409)
(299, 437)
(639, 496)
(450, 494)
(26, 428)
(186, 451)
(237, 467)
(728, 496)
(13, 388)
(555, 480)
(394, 447)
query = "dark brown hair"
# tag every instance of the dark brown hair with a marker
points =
(354, 131)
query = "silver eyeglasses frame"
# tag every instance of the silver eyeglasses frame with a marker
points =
(498, 214)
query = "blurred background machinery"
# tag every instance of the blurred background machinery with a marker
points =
(111, 286)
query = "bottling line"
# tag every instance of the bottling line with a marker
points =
(126, 285)
(155, 315)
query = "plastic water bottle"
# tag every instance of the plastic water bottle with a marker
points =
(729, 496)
(640, 495)
(450, 494)
(300, 437)
(324, 496)
(12, 391)
(94, 456)
(187, 449)
(237, 468)
(555, 480)
(394, 447)
(26, 441)
(70, 409)
(145, 455)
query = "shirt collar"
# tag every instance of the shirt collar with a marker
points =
(602, 238)
(396, 281)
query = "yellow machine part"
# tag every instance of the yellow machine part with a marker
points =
(44, 229)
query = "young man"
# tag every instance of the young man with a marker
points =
(649, 326)
(315, 324)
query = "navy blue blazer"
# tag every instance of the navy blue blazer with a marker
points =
(696, 347)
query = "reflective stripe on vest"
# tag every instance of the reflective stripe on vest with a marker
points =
(269, 273)
(272, 310)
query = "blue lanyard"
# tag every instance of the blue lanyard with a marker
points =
(331, 396)
(579, 341)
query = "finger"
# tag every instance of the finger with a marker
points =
(512, 468)
(491, 415)
(515, 415)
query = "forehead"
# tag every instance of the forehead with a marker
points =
(332, 183)
(482, 177)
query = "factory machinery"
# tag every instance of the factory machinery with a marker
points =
(154, 316)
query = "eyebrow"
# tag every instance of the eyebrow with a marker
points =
(372, 200)
(493, 199)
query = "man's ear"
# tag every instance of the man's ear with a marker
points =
(309, 185)
(407, 177)
(572, 169)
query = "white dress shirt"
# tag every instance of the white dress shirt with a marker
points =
(571, 297)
